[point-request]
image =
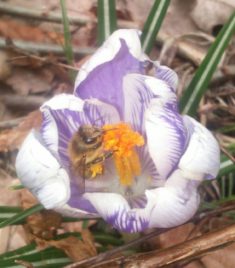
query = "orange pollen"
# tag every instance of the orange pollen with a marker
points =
(122, 140)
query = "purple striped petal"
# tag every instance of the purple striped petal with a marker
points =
(166, 135)
(166, 207)
(137, 96)
(105, 81)
(116, 211)
(168, 75)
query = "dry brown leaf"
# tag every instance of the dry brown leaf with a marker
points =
(222, 258)
(11, 237)
(43, 226)
(16, 29)
(24, 81)
(75, 248)
(40, 226)
(12, 139)
(176, 236)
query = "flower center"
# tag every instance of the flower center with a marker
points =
(122, 140)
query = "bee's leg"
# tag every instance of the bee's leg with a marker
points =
(100, 159)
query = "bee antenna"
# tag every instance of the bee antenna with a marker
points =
(98, 119)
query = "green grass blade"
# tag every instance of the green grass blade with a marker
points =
(193, 94)
(17, 187)
(107, 19)
(67, 36)
(226, 166)
(7, 212)
(9, 209)
(22, 215)
(47, 258)
(230, 184)
(153, 24)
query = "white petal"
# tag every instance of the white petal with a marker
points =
(107, 204)
(170, 208)
(202, 156)
(39, 171)
(64, 101)
(109, 49)
(173, 204)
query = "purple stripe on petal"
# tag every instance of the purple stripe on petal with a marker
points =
(105, 81)
(138, 201)
(67, 122)
(168, 75)
(148, 166)
(166, 136)
(115, 209)
(137, 96)
(126, 221)
(99, 113)
(136, 99)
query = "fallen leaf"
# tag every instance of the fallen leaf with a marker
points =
(24, 81)
(42, 225)
(17, 29)
(11, 237)
(176, 236)
(13, 138)
(222, 258)
(75, 248)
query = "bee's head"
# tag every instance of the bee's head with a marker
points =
(89, 134)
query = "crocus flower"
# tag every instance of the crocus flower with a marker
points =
(152, 158)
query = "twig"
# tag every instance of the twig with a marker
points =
(184, 48)
(11, 123)
(102, 258)
(181, 252)
(109, 253)
(41, 15)
(41, 59)
(227, 154)
(23, 102)
(55, 17)
(209, 214)
(45, 48)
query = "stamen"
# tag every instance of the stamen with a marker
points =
(122, 140)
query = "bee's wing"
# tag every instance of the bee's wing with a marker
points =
(80, 174)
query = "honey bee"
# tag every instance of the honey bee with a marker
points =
(85, 150)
